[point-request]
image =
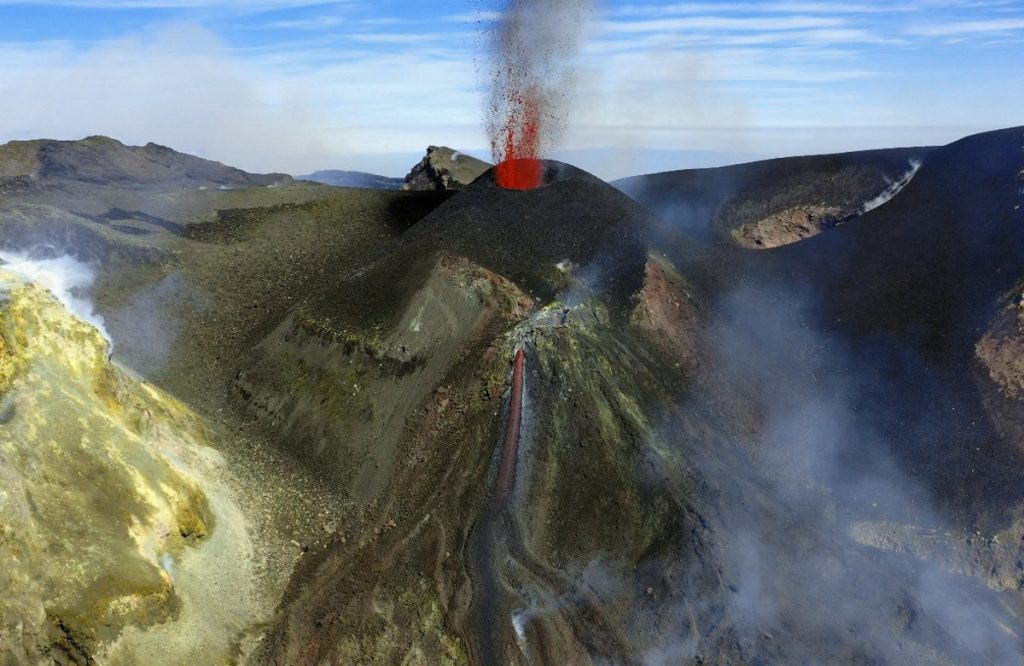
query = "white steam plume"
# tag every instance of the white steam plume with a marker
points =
(894, 188)
(65, 277)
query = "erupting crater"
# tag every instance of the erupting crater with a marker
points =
(533, 50)
(519, 164)
(520, 174)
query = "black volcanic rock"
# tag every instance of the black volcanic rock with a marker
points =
(575, 220)
(773, 202)
(920, 280)
(574, 216)
(911, 288)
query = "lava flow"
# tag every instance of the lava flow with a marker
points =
(510, 447)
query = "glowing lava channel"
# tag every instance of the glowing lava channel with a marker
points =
(510, 447)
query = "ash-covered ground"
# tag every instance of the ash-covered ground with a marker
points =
(770, 413)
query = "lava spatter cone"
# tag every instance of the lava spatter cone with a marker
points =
(524, 235)
(520, 174)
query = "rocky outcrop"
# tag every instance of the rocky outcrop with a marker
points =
(1001, 349)
(667, 312)
(787, 226)
(1000, 371)
(444, 169)
(994, 559)
(98, 498)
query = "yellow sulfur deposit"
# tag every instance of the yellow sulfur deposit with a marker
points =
(98, 485)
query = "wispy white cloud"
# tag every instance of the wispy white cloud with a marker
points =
(235, 5)
(201, 100)
(401, 38)
(290, 106)
(827, 7)
(302, 90)
(768, 7)
(475, 17)
(832, 37)
(315, 23)
(967, 27)
(723, 24)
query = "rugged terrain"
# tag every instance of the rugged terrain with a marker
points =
(443, 168)
(771, 413)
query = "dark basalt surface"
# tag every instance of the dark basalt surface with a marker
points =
(712, 203)
(573, 216)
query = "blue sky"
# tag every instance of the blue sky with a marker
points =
(295, 86)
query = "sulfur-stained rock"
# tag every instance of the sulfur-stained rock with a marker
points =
(101, 487)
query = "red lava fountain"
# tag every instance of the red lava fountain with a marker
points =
(533, 47)
(519, 164)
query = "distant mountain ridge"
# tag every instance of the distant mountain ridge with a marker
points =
(341, 178)
(100, 160)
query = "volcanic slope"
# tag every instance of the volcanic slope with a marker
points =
(390, 329)
(875, 360)
(383, 328)
(907, 291)
(727, 454)
(449, 572)
(775, 202)
(573, 221)
(645, 496)
(161, 247)
(700, 480)
(122, 532)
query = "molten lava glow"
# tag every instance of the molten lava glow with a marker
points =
(510, 447)
(520, 174)
(519, 164)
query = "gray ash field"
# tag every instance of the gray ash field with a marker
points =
(770, 413)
